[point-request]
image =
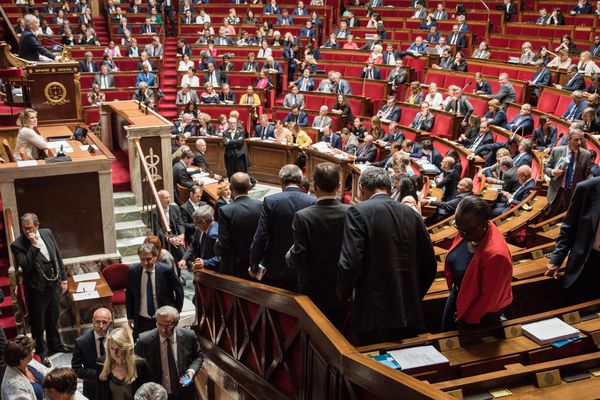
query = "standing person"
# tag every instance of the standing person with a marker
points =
(171, 352)
(167, 8)
(29, 47)
(389, 269)
(478, 258)
(567, 166)
(121, 372)
(274, 235)
(88, 347)
(236, 153)
(318, 236)
(238, 221)
(24, 375)
(44, 275)
(579, 238)
(150, 285)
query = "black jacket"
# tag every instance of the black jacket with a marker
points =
(84, 362)
(182, 177)
(237, 224)
(30, 48)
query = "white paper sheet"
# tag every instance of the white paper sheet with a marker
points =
(90, 276)
(415, 357)
(27, 163)
(57, 144)
(86, 295)
(549, 331)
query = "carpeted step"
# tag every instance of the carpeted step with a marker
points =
(9, 324)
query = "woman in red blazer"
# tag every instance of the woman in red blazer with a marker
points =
(478, 269)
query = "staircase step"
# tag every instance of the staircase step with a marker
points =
(126, 213)
(129, 229)
(129, 246)
(123, 199)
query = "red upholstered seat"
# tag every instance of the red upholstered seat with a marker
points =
(562, 105)
(435, 77)
(458, 80)
(408, 114)
(116, 276)
(442, 126)
(547, 101)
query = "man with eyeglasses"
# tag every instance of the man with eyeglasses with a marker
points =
(178, 357)
(88, 347)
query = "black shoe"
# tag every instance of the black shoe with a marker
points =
(45, 362)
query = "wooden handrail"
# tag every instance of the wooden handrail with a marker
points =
(13, 38)
(161, 211)
(10, 230)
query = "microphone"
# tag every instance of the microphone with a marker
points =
(52, 40)
(466, 86)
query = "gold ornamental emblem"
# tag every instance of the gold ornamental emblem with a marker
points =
(56, 94)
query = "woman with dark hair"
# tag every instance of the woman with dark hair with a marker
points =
(545, 135)
(428, 22)
(419, 185)
(566, 44)
(472, 128)
(250, 19)
(460, 63)
(478, 269)
(416, 94)
(24, 376)
(342, 108)
(357, 128)
(408, 194)
(376, 129)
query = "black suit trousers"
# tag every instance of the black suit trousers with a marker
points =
(234, 163)
(586, 286)
(43, 316)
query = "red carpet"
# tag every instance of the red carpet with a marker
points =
(120, 172)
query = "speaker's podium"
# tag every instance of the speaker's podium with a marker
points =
(51, 88)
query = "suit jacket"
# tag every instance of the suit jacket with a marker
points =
(238, 221)
(506, 94)
(175, 222)
(578, 230)
(522, 192)
(149, 78)
(541, 141)
(84, 67)
(109, 79)
(370, 153)
(274, 235)
(200, 161)
(524, 126)
(288, 100)
(396, 78)
(152, 52)
(168, 290)
(264, 132)
(342, 87)
(30, 48)
(447, 208)
(463, 105)
(393, 114)
(449, 182)
(310, 84)
(227, 97)
(302, 118)
(140, 66)
(484, 87)
(182, 177)
(84, 362)
(391, 269)
(542, 78)
(423, 124)
(522, 159)
(189, 356)
(221, 78)
(575, 83)
(193, 97)
(397, 56)
(187, 210)
(320, 122)
(499, 118)
(335, 140)
(318, 233)
(146, 29)
(29, 258)
(581, 170)
(202, 246)
(189, 129)
(574, 111)
(233, 140)
(511, 183)
(461, 40)
(376, 73)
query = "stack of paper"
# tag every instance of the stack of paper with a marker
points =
(90, 276)
(416, 357)
(549, 331)
(86, 295)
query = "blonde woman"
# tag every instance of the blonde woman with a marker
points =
(298, 136)
(27, 138)
(281, 133)
(121, 372)
(224, 194)
(586, 64)
(434, 98)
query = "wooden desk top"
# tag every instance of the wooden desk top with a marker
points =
(130, 111)
(101, 287)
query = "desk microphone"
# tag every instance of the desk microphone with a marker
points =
(466, 86)
(52, 40)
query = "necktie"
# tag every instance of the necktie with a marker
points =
(173, 371)
(569, 176)
(370, 75)
(150, 295)
(363, 151)
(571, 113)
(454, 38)
(439, 15)
(596, 50)
(101, 345)
(418, 124)
(104, 84)
(294, 102)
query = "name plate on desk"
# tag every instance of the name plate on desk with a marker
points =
(27, 163)
(86, 296)
(90, 276)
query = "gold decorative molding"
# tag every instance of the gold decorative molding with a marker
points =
(12, 59)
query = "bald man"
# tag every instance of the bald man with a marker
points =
(367, 152)
(509, 200)
(88, 347)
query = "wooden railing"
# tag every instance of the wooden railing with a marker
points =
(276, 344)
(10, 35)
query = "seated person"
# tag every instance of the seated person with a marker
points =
(482, 138)
(445, 209)
(370, 71)
(495, 115)
(322, 119)
(446, 61)
(297, 116)
(523, 122)
(481, 85)
(418, 47)
(424, 119)
(332, 139)
(366, 152)
(190, 78)
(305, 83)
(104, 80)
(186, 95)
(185, 126)
(293, 99)
(390, 111)
(27, 139)
(210, 95)
(146, 76)
(227, 96)
(508, 200)
(576, 107)
(144, 95)
(264, 129)
(545, 135)
(448, 179)
(575, 80)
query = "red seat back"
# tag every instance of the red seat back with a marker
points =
(116, 276)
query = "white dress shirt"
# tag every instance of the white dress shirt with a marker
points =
(42, 245)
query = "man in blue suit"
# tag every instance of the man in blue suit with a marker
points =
(334, 140)
(340, 86)
(150, 285)
(308, 31)
(29, 47)
(508, 200)
(264, 130)
(305, 83)
(576, 107)
(574, 82)
(146, 76)
(541, 78)
(522, 123)
(370, 71)
(201, 251)
(523, 156)
(390, 112)
(274, 235)
(297, 116)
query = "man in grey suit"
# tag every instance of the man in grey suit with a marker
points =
(294, 99)
(171, 352)
(322, 120)
(507, 93)
(104, 79)
(318, 237)
(423, 120)
(567, 166)
(154, 49)
(186, 95)
(460, 105)
(340, 85)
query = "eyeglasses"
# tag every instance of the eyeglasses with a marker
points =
(166, 326)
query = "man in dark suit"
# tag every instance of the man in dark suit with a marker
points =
(200, 253)
(483, 137)
(370, 71)
(574, 82)
(181, 176)
(296, 115)
(390, 111)
(274, 236)
(44, 276)
(576, 107)
(200, 156)
(264, 130)
(183, 48)
(448, 179)
(88, 65)
(366, 152)
(429, 153)
(150, 285)
(238, 221)
(509, 200)
(457, 38)
(579, 238)
(29, 47)
(175, 237)
(523, 122)
(317, 243)
(389, 269)
(424, 119)
(444, 209)
(236, 153)
(541, 78)
(184, 126)
(157, 347)
(214, 76)
(88, 347)
(506, 93)
(187, 210)
(329, 136)
(370, 43)
(523, 156)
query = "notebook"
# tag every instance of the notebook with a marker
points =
(549, 331)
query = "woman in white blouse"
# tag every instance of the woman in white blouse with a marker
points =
(586, 64)
(562, 61)
(434, 98)
(190, 78)
(185, 64)
(203, 17)
(27, 138)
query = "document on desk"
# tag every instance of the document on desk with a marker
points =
(90, 276)
(86, 295)
(27, 163)
(322, 147)
(549, 331)
(86, 287)
(58, 143)
(420, 356)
